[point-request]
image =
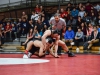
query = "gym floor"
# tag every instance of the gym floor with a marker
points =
(82, 64)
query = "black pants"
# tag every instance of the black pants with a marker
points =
(77, 42)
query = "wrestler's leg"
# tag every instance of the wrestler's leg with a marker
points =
(65, 48)
(29, 46)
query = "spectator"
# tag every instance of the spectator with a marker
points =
(97, 7)
(7, 32)
(93, 19)
(34, 17)
(71, 21)
(81, 13)
(79, 21)
(74, 13)
(78, 38)
(36, 34)
(86, 18)
(83, 28)
(98, 27)
(24, 15)
(37, 9)
(88, 7)
(24, 26)
(69, 36)
(14, 31)
(98, 20)
(42, 13)
(31, 24)
(29, 36)
(39, 25)
(95, 36)
(69, 6)
(89, 31)
(63, 14)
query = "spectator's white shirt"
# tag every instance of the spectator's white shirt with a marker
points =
(97, 7)
(35, 17)
(81, 13)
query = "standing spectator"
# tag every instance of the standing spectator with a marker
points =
(69, 36)
(98, 27)
(24, 15)
(81, 13)
(74, 13)
(78, 38)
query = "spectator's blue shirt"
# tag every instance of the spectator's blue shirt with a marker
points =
(98, 29)
(14, 29)
(69, 34)
(74, 13)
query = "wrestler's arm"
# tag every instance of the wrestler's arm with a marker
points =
(41, 51)
(45, 35)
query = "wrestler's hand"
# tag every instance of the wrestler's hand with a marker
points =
(56, 55)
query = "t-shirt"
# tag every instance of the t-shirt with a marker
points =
(58, 25)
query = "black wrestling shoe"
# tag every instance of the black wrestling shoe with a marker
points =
(71, 54)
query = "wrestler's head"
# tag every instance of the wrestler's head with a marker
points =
(55, 33)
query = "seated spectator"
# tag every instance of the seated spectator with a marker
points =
(42, 13)
(39, 25)
(74, 13)
(98, 27)
(71, 21)
(88, 7)
(0, 39)
(83, 28)
(36, 34)
(29, 36)
(89, 31)
(78, 38)
(69, 36)
(81, 13)
(86, 18)
(93, 19)
(98, 20)
(7, 32)
(31, 24)
(14, 31)
(24, 15)
(95, 36)
(37, 9)
(34, 17)
(24, 27)
(63, 14)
